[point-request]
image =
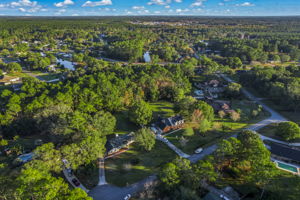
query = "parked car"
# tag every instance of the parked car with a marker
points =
(76, 182)
(70, 172)
(224, 197)
(127, 197)
(199, 150)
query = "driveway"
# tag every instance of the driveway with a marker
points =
(110, 192)
(172, 146)
(69, 178)
(101, 167)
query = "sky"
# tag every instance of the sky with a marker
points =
(149, 7)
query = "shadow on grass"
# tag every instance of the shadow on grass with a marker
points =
(88, 174)
(135, 165)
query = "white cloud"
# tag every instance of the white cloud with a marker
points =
(64, 3)
(182, 10)
(23, 3)
(97, 3)
(60, 12)
(25, 6)
(22, 9)
(197, 3)
(162, 2)
(245, 4)
(138, 8)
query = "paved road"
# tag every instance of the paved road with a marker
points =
(101, 167)
(110, 192)
(275, 116)
(172, 146)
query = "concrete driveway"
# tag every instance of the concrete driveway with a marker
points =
(110, 192)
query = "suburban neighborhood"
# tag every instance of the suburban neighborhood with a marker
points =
(159, 103)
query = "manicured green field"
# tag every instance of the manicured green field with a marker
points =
(163, 109)
(49, 77)
(135, 165)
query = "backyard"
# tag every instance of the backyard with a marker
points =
(270, 131)
(222, 128)
(135, 165)
(162, 109)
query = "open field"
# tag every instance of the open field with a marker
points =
(49, 77)
(124, 126)
(135, 165)
(163, 109)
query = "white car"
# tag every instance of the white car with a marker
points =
(224, 197)
(199, 150)
(127, 197)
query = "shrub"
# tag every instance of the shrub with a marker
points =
(188, 132)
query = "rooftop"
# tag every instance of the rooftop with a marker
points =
(284, 151)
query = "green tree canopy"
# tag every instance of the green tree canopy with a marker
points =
(145, 139)
(288, 130)
(140, 113)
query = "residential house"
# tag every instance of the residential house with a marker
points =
(51, 68)
(219, 105)
(286, 158)
(9, 80)
(164, 125)
(119, 142)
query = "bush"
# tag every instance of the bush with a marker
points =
(188, 132)
(204, 126)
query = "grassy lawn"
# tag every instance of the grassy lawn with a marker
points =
(124, 126)
(195, 141)
(49, 77)
(18, 74)
(135, 165)
(247, 107)
(222, 128)
(270, 131)
(163, 109)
